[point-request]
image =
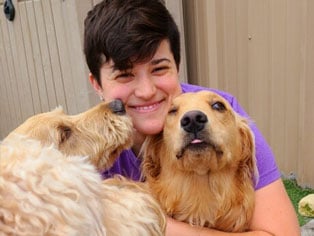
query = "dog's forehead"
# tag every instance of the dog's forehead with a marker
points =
(43, 121)
(198, 99)
(54, 115)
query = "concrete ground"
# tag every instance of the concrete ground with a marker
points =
(308, 229)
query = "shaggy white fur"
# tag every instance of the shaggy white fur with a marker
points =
(42, 191)
(50, 184)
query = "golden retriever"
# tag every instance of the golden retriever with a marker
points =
(50, 182)
(201, 168)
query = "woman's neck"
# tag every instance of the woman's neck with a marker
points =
(138, 140)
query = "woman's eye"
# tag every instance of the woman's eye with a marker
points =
(219, 106)
(124, 75)
(160, 69)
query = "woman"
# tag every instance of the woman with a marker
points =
(132, 49)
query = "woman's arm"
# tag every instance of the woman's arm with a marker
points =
(274, 212)
(273, 215)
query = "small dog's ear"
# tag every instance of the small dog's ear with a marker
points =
(64, 133)
(248, 159)
(151, 157)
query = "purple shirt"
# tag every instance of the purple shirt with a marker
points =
(129, 165)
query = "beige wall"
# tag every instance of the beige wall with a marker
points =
(260, 51)
(41, 60)
(263, 53)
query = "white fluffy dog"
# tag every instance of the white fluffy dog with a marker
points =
(50, 184)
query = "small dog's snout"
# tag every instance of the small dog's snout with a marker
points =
(193, 121)
(117, 107)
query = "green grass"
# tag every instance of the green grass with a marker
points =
(296, 193)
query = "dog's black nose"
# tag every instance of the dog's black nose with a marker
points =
(117, 107)
(193, 121)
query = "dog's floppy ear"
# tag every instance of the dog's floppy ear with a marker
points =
(151, 157)
(248, 159)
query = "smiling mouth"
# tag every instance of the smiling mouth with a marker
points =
(147, 108)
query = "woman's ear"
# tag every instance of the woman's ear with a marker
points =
(97, 87)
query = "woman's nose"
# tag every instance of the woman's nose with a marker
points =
(145, 87)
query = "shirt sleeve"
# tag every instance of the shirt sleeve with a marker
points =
(127, 164)
(266, 163)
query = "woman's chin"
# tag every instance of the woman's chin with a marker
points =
(148, 128)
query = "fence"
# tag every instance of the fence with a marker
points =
(263, 53)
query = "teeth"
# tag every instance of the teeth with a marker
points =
(146, 108)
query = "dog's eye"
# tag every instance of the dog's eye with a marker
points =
(65, 133)
(173, 110)
(219, 106)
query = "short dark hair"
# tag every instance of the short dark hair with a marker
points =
(127, 32)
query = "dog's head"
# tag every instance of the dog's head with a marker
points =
(100, 133)
(202, 134)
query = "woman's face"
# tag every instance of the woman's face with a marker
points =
(147, 89)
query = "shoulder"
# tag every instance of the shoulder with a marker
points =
(195, 88)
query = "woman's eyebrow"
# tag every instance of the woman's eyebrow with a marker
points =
(115, 69)
(153, 62)
(157, 61)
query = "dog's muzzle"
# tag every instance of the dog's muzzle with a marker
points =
(193, 121)
(196, 139)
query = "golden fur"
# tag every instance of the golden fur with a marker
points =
(98, 133)
(49, 184)
(201, 168)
